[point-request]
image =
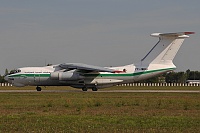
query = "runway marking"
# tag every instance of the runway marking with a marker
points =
(155, 91)
(101, 91)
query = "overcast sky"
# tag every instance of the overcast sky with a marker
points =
(96, 32)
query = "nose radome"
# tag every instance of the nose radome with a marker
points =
(6, 78)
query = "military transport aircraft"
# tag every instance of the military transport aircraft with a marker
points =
(157, 61)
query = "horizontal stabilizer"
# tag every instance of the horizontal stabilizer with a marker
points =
(178, 34)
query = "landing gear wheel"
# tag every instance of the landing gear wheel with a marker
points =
(84, 88)
(94, 89)
(38, 88)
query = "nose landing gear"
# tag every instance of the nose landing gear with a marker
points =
(38, 88)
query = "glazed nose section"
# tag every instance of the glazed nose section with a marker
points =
(6, 78)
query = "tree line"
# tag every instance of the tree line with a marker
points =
(170, 77)
(2, 80)
(175, 77)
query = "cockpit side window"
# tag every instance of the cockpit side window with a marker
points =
(15, 71)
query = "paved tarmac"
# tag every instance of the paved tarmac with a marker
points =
(100, 91)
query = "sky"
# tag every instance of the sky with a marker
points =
(95, 32)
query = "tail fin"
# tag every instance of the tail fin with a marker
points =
(166, 48)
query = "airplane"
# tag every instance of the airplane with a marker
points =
(157, 61)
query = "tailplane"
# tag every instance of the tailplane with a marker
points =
(166, 48)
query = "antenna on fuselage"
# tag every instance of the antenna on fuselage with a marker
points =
(45, 62)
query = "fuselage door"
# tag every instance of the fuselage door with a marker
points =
(36, 78)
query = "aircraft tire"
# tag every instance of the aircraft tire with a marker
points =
(84, 88)
(38, 88)
(94, 89)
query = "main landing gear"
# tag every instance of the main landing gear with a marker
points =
(93, 89)
(84, 88)
(38, 88)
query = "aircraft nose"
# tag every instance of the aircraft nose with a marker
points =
(6, 78)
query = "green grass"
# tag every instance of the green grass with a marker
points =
(99, 112)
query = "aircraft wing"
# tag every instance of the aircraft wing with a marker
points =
(85, 67)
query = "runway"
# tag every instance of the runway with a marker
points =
(101, 91)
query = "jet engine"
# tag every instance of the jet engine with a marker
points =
(63, 76)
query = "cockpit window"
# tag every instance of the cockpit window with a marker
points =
(15, 71)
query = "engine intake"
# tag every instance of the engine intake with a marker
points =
(63, 76)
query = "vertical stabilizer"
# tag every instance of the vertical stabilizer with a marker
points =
(166, 48)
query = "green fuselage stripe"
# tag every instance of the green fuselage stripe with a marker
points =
(128, 74)
(31, 75)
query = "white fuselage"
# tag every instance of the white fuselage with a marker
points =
(41, 76)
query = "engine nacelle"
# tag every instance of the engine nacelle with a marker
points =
(63, 76)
